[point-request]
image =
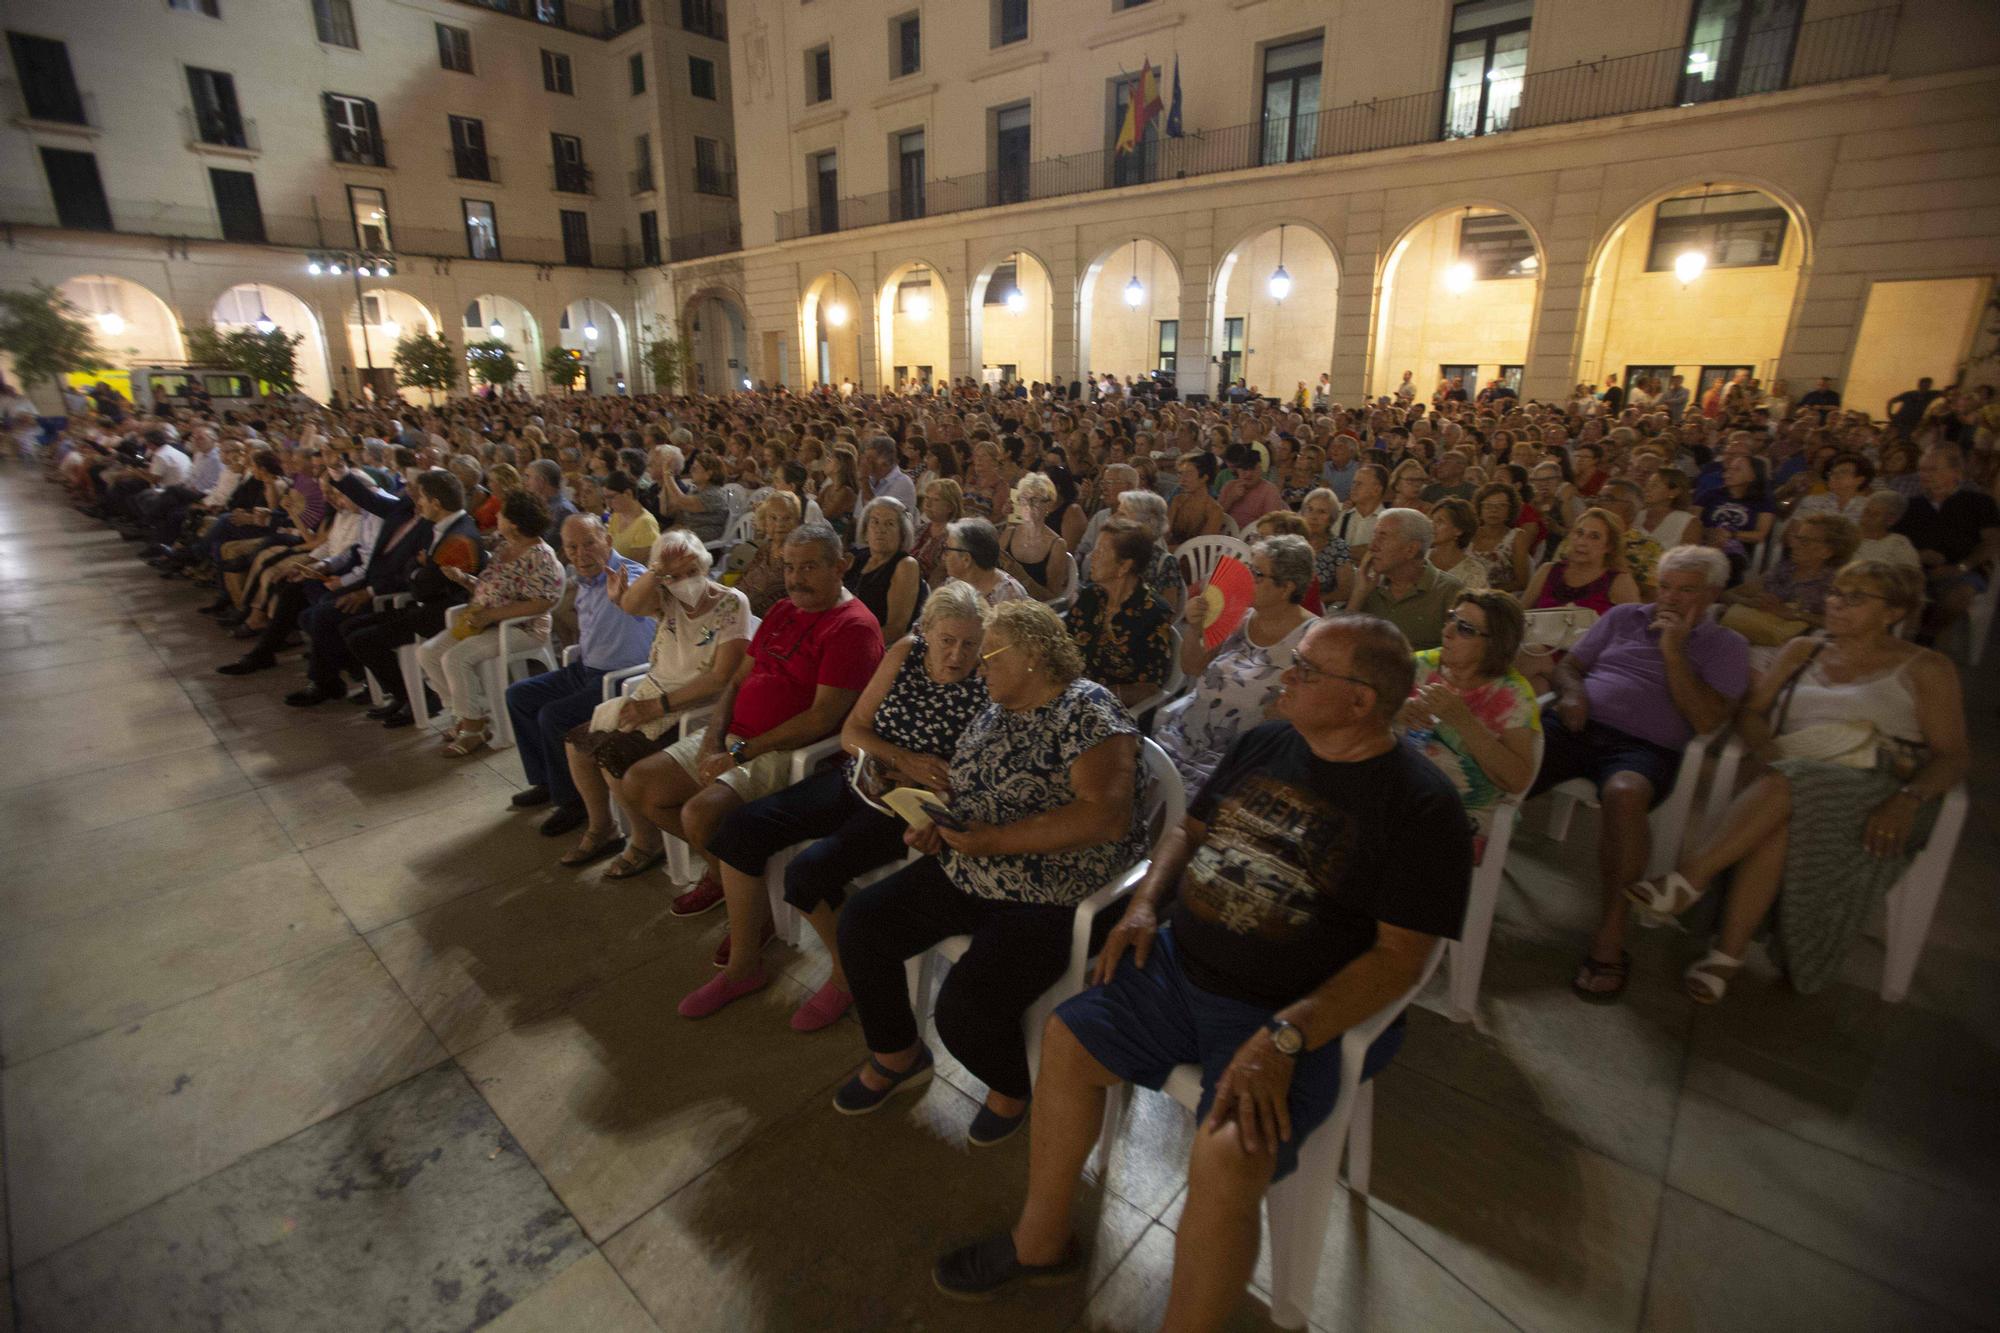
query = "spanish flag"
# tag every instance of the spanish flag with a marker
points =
(1142, 107)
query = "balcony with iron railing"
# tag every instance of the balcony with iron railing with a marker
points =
(1823, 51)
(641, 179)
(210, 129)
(578, 16)
(714, 181)
(473, 164)
(50, 110)
(568, 178)
(359, 150)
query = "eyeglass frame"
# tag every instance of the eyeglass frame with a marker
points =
(1308, 669)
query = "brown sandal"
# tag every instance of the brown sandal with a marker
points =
(626, 868)
(581, 855)
(1590, 970)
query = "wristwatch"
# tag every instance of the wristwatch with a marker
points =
(1286, 1036)
(736, 750)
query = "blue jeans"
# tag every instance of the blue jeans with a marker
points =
(544, 708)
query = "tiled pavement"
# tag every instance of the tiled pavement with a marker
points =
(302, 1029)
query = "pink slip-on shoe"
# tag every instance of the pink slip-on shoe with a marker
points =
(826, 1007)
(719, 991)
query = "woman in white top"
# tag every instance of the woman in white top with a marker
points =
(704, 629)
(1665, 518)
(1863, 733)
(1846, 476)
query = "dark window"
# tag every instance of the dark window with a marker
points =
(1129, 4)
(704, 17)
(642, 163)
(909, 175)
(1486, 64)
(711, 168)
(626, 14)
(78, 191)
(701, 77)
(1010, 21)
(1291, 102)
(355, 129)
(1467, 378)
(823, 175)
(1738, 47)
(1232, 350)
(1137, 164)
(1497, 245)
(1167, 345)
(649, 237)
(1740, 229)
(236, 205)
(1714, 375)
(454, 48)
(482, 236)
(556, 75)
(212, 8)
(1510, 376)
(819, 74)
(636, 67)
(1010, 154)
(1637, 375)
(370, 209)
(907, 55)
(217, 118)
(576, 237)
(334, 21)
(572, 177)
(469, 161)
(551, 11)
(1005, 282)
(48, 85)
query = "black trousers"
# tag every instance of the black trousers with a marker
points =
(1018, 951)
(372, 640)
(852, 838)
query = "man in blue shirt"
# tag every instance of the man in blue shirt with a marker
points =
(544, 708)
(1341, 464)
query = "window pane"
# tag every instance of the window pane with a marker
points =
(1476, 14)
(1295, 55)
(371, 217)
(1510, 64)
(1277, 121)
(482, 242)
(334, 20)
(1464, 83)
(1497, 245)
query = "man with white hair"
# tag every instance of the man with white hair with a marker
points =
(1398, 583)
(1646, 680)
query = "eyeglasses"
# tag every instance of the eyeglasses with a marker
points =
(1460, 625)
(988, 657)
(1309, 671)
(1848, 596)
(956, 550)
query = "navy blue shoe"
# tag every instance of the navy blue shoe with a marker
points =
(857, 1098)
(990, 1127)
(981, 1270)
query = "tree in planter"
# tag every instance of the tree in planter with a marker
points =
(670, 360)
(425, 361)
(45, 336)
(269, 358)
(562, 369)
(492, 362)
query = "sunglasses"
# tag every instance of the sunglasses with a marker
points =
(1460, 625)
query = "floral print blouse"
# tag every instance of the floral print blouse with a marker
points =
(535, 575)
(1122, 645)
(1237, 688)
(1010, 766)
(1504, 704)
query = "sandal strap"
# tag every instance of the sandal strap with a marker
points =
(1712, 973)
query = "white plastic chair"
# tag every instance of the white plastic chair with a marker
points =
(1166, 807)
(1979, 618)
(1911, 904)
(1061, 601)
(1231, 528)
(1299, 1205)
(1467, 953)
(1669, 820)
(1200, 555)
(742, 527)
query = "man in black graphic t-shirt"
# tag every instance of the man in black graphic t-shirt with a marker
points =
(1305, 892)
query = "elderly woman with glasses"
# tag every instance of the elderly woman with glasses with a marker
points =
(1862, 733)
(1791, 599)
(1046, 804)
(1471, 713)
(972, 555)
(1239, 679)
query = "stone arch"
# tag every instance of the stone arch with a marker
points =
(596, 330)
(239, 307)
(830, 315)
(999, 334)
(1425, 320)
(1300, 327)
(715, 321)
(915, 331)
(1127, 336)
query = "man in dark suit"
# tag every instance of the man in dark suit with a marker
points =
(453, 543)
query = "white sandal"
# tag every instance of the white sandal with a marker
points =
(1661, 900)
(1708, 980)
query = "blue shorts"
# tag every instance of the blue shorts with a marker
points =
(1145, 1022)
(1597, 753)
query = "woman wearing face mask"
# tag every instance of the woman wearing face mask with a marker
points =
(704, 629)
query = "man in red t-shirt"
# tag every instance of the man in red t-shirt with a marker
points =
(807, 664)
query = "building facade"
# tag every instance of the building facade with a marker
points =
(823, 191)
(1490, 189)
(355, 170)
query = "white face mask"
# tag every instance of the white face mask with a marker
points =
(688, 591)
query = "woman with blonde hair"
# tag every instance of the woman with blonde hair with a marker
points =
(1862, 733)
(943, 504)
(762, 579)
(1029, 549)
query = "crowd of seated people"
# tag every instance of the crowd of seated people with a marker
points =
(740, 580)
